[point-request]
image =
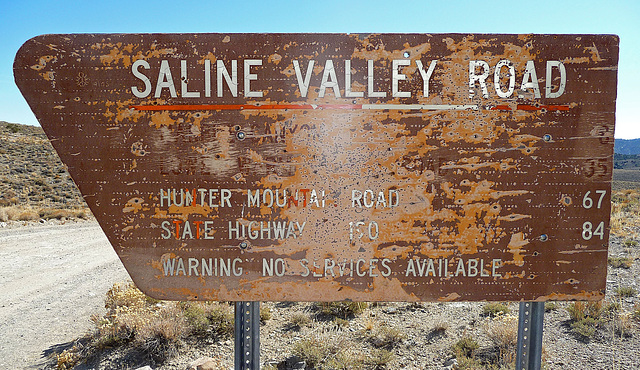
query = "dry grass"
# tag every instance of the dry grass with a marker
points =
(67, 359)
(503, 331)
(300, 320)
(154, 328)
(318, 348)
(29, 213)
(384, 336)
(51, 213)
(581, 310)
(441, 327)
(585, 317)
(342, 310)
(379, 358)
(588, 317)
(265, 314)
(625, 213)
(15, 213)
(620, 262)
(31, 173)
(626, 291)
(332, 348)
(622, 324)
(494, 309)
(465, 350)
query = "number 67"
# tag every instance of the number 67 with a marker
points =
(587, 202)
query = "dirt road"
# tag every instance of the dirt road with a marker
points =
(52, 278)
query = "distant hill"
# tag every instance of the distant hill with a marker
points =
(626, 162)
(623, 146)
(31, 172)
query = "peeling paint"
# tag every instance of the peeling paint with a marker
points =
(400, 185)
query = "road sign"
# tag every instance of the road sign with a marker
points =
(311, 167)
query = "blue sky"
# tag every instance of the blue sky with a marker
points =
(21, 20)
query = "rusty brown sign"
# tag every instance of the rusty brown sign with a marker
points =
(314, 167)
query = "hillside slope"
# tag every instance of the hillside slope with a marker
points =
(31, 173)
(623, 146)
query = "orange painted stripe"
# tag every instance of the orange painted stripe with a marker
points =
(242, 107)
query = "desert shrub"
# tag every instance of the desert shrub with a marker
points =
(48, 213)
(347, 360)
(316, 349)
(299, 320)
(311, 350)
(626, 291)
(67, 359)
(196, 316)
(580, 310)
(494, 309)
(379, 358)
(209, 317)
(622, 324)
(342, 309)
(465, 347)
(82, 213)
(585, 327)
(8, 201)
(503, 331)
(221, 319)
(27, 215)
(265, 314)
(550, 306)
(152, 327)
(636, 311)
(630, 243)
(620, 262)
(127, 314)
(441, 327)
(385, 336)
(21, 213)
(13, 128)
(124, 295)
(161, 335)
(586, 317)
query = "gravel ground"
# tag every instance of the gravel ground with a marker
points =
(54, 275)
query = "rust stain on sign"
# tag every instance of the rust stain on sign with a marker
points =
(329, 166)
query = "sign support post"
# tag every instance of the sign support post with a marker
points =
(530, 327)
(247, 336)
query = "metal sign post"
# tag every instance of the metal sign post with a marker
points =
(247, 336)
(530, 326)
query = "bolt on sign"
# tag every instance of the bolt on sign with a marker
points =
(315, 167)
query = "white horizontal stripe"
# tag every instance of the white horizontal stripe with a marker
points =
(421, 106)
